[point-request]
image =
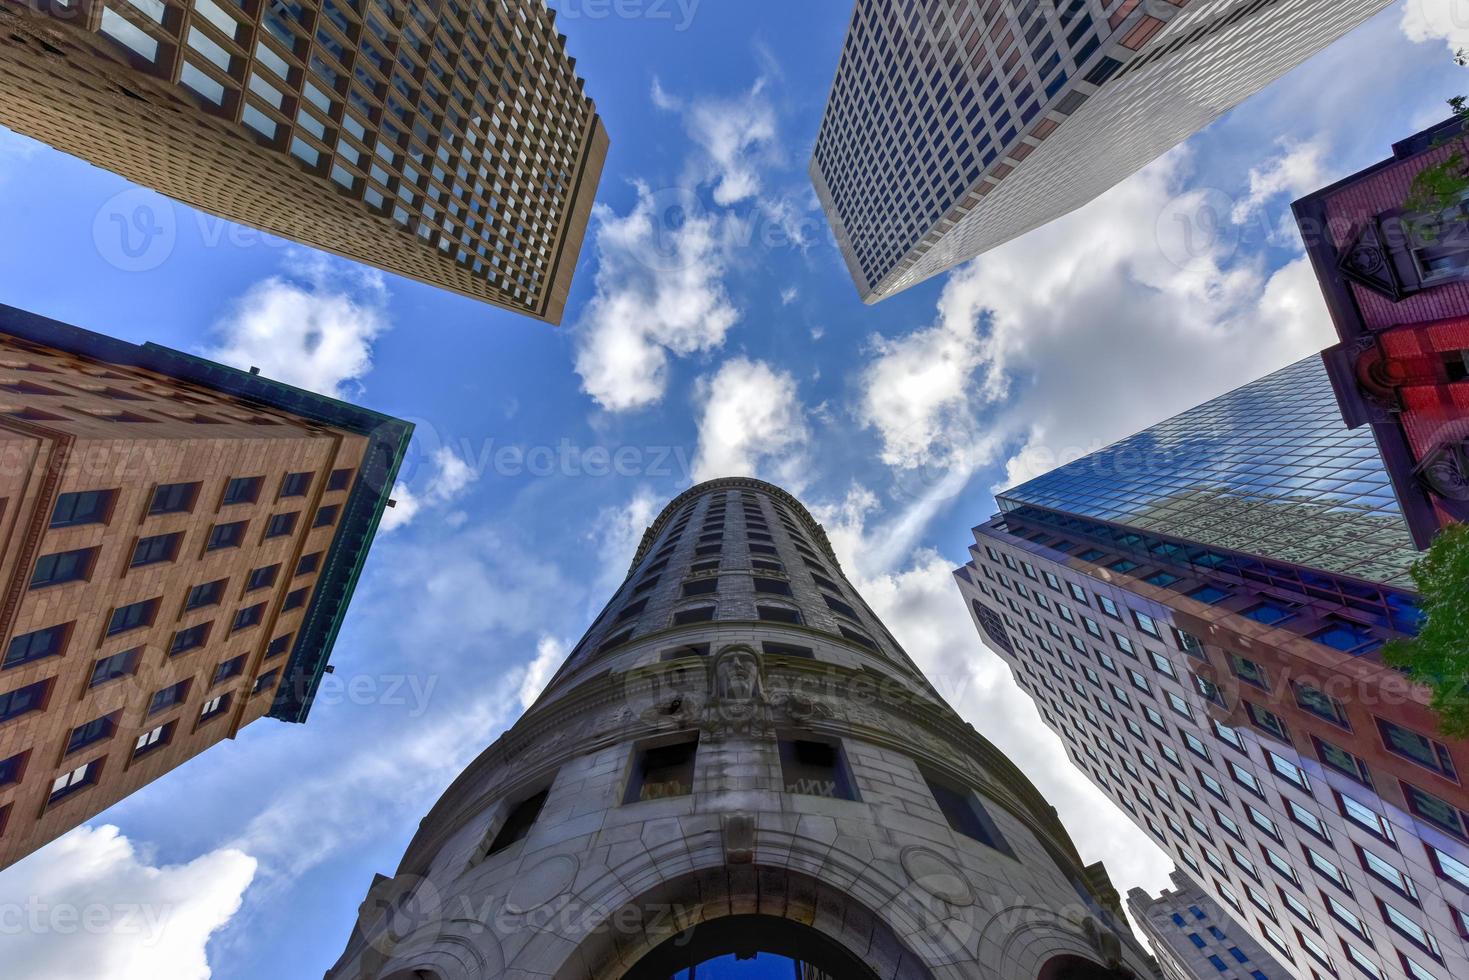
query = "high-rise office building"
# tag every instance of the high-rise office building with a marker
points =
(1196, 611)
(738, 760)
(954, 127)
(449, 142)
(181, 542)
(1194, 939)
(1396, 282)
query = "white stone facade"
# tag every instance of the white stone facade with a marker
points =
(866, 863)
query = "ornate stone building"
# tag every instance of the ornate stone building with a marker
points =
(739, 764)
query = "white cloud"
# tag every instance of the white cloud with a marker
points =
(619, 532)
(314, 330)
(660, 290)
(550, 652)
(1297, 171)
(451, 476)
(89, 905)
(1434, 20)
(662, 99)
(752, 417)
(789, 296)
(738, 137)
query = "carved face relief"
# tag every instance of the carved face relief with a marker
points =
(737, 675)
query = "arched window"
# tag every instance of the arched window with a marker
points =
(753, 946)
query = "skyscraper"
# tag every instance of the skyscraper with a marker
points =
(181, 542)
(452, 142)
(738, 760)
(1194, 939)
(1196, 611)
(954, 127)
(1396, 281)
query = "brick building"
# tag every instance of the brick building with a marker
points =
(1397, 285)
(739, 760)
(449, 142)
(180, 543)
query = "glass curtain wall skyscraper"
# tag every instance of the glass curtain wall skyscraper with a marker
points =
(954, 127)
(1196, 611)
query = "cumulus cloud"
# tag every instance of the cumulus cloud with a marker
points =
(619, 531)
(449, 478)
(752, 419)
(313, 329)
(660, 291)
(90, 905)
(789, 296)
(1437, 20)
(1298, 170)
(738, 138)
(550, 652)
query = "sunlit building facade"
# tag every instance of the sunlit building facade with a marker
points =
(1194, 939)
(954, 127)
(449, 142)
(1214, 669)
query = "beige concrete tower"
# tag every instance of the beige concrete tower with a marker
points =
(738, 769)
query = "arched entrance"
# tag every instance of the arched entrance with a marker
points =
(1077, 968)
(747, 947)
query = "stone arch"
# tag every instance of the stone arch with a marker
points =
(734, 934)
(452, 951)
(614, 948)
(1071, 967)
(1030, 940)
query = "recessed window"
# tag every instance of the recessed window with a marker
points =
(1342, 761)
(154, 738)
(788, 650)
(226, 536)
(13, 768)
(662, 771)
(295, 484)
(861, 639)
(1321, 704)
(74, 781)
(518, 822)
(632, 611)
(248, 617)
(707, 550)
(964, 813)
(615, 641)
(118, 665)
(1348, 638)
(83, 507)
(707, 586)
(133, 616)
(94, 731)
(278, 646)
(215, 707)
(326, 516)
(1436, 810)
(812, 768)
(208, 594)
(704, 567)
(37, 645)
(262, 578)
(1417, 748)
(189, 639)
(762, 549)
(1270, 613)
(772, 586)
(339, 480)
(839, 607)
(168, 697)
(242, 490)
(173, 498)
(280, 525)
(24, 700)
(685, 651)
(778, 614)
(308, 563)
(1209, 594)
(62, 567)
(233, 667)
(1249, 672)
(295, 599)
(698, 614)
(155, 549)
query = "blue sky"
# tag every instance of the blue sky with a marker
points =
(730, 341)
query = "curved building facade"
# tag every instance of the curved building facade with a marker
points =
(739, 764)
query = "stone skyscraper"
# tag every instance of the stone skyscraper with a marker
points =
(954, 127)
(1194, 938)
(1197, 611)
(738, 760)
(451, 142)
(181, 542)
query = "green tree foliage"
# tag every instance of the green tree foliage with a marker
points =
(1442, 185)
(1438, 657)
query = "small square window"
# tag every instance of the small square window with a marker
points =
(295, 484)
(339, 480)
(265, 682)
(133, 616)
(214, 707)
(248, 617)
(662, 771)
(262, 578)
(226, 536)
(812, 768)
(278, 646)
(308, 563)
(168, 697)
(173, 498)
(242, 490)
(63, 567)
(83, 507)
(118, 665)
(295, 599)
(326, 516)
(280, 525)
(154, 738)
(37, 645)
(230, 668)
(1209, 594)
(156, 549)
(208, 594)
(189, 639)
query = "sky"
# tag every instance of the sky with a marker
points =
(712, 330)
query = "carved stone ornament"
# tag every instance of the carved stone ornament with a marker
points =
(1445, 471)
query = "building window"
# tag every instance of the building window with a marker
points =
(1342, 761)
(265, 682)
(839, 607)
(248, 617)
(861, 639)
(168, 697)
(778, 614)
(1388, 874)
(94, 731)
(134, 616)
(811, 768)
(242, 490)
(308, 563)
(189, 639)
(173, 498)
(295, 484)
(74, 781)
(280, 525)
(63, 567)
(339, 480)
(1417, 748)
(214, 707)
(230, 668)
(278, 646)
(662, 771)
(38, 645)
(152, 739)
(788, 650)
(697, 614)
(226, 536)
(326, 516)
(118, 665)
(772, 586)
(1249, 672)
(1348, 638)
(155, 549)
(295, 599)
(965, 814)
(13, 768)
(1435, 810)
(1267, 721)
(707, 586)
(1321, 704)
(208, 594)
(518, 822)
(83, 507)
